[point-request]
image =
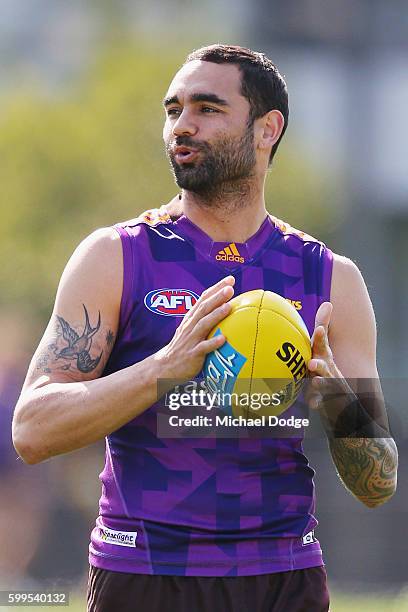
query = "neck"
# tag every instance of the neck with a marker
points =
(233, 213)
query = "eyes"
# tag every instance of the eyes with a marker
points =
(205, 110)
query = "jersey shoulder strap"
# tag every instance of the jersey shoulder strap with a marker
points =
(152, 217)
(287, 229)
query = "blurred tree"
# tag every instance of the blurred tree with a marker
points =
(95, 156)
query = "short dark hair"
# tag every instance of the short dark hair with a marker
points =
(261, 82)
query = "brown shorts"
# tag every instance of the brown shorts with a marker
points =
(302, 590)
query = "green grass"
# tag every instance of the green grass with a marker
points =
(363, 603)
(339, 603)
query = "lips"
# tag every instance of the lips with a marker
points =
(184, 154)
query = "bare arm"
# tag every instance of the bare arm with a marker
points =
(347, 348)
(64, 405)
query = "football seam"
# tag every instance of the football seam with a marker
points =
(300, 329)
(255, 341)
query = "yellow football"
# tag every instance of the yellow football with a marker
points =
(265, 355)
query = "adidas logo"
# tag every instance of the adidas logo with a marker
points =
(229, 253)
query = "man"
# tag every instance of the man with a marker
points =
(201, 524)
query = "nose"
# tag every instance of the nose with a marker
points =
(184, 125)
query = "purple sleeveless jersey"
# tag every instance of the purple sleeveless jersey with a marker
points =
(205, 506)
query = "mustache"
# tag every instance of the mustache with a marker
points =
(187, 141)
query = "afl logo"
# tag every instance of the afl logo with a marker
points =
(170, 302)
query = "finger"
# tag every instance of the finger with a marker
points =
(323, 315)
(334, 391)
(312, 396)
(320, 342)
(207, 346)
(307, 386)
(315, 401)
(210, 320)
(318, 367)
(209, 304)
(323, 385)
(318, 382)
(227, 280)
(309, 395)
(209, 292)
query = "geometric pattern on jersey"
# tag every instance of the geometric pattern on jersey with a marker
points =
(206, 506)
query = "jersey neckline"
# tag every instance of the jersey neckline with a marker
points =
(209, 248)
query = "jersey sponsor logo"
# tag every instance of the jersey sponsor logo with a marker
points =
(309, 538)
(230, 253)
(170, 302)
(295, 303)
(119, 538)
(221, 370)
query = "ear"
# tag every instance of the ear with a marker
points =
(270, 128)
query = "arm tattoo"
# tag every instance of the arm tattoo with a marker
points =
(367, 467)
(79, 346)
(73, 348)
(109, 338)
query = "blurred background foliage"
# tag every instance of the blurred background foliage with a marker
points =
(81, 85)
(92, 156)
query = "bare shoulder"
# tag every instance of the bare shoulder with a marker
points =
(348, 286)
(100, 255)
(345, 270)
(352, 331)
(84, 322)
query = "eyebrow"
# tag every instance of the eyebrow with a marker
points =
(197, 97)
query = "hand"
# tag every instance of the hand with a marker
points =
(328, 391)
(184, 356)
(321, 363)
(326, 378)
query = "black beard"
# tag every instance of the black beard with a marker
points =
(228, 161)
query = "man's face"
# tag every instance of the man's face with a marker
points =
(207, 134)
